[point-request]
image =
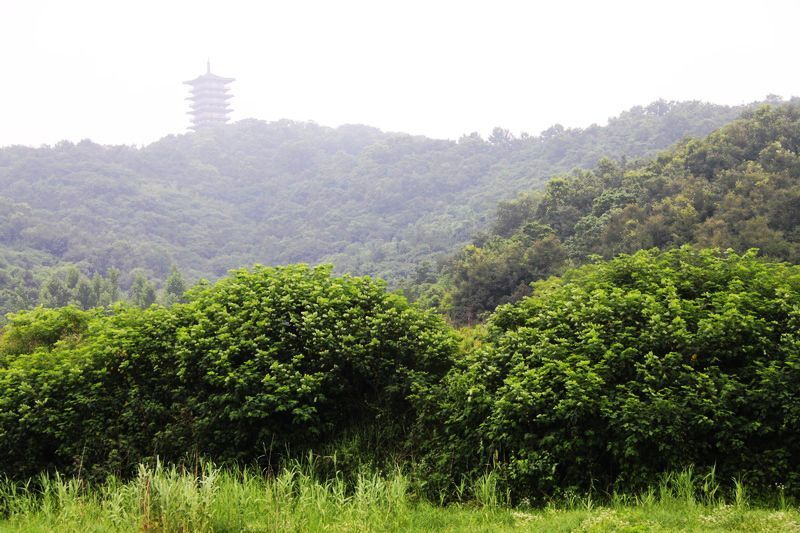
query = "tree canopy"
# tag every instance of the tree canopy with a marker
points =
(738, 188)
(275, 193)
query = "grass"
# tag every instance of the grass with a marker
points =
(163, 498)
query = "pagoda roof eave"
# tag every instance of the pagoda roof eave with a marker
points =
(209, 77)
(212, 98)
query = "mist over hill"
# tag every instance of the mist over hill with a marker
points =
(368, 201)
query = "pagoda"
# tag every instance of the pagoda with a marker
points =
(209, 100)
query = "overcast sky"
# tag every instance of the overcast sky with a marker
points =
(111, 71)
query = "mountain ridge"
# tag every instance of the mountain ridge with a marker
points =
(368, 201)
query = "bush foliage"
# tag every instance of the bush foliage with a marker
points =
(609, 377)
(626, 369)
(266, 360)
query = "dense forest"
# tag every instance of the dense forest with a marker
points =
(274, 193)
(737, 188)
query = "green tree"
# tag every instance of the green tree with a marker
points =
(85, 294)
(174, 288)
(142, 292)
(55, 293)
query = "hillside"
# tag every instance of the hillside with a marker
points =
(738, 188)
(368, 201)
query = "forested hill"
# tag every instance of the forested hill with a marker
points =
(282, 192)
(738, 188)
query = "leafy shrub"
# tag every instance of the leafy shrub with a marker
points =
(629, 368)
(280, 358)
(41, 328)
(293, 355)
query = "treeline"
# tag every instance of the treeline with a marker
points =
(738, 188)
(370, 202)
(23, 288)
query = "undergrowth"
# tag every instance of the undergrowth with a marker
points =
(299, 498)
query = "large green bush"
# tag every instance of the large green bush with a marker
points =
(265, 360)
(293, 355)
(626, 369)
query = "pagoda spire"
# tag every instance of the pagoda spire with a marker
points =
(209, 99)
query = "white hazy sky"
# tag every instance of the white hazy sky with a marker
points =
(111, 71)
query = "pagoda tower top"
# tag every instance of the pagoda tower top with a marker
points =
(209, 96)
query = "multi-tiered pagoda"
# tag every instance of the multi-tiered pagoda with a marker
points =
(209, 100)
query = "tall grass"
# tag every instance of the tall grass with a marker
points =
(299, 498)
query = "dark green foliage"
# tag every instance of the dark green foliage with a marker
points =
(265, 361)
(623, 370)
(370, 202)
(500, 271)
(738, 188)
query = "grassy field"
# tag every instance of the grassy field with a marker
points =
(168, 499)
